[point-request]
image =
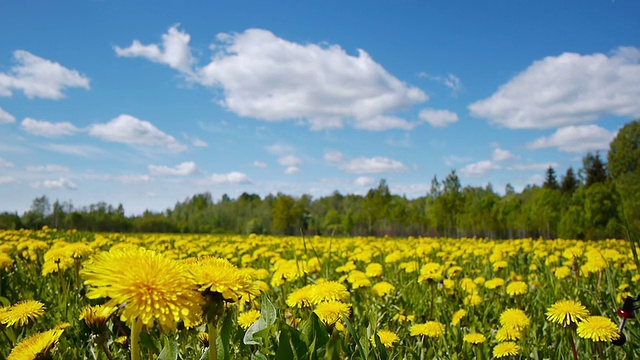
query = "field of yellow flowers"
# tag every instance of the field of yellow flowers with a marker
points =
(74, 295)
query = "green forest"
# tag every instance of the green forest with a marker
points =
(599, 200)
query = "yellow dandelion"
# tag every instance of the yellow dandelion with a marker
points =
(36, 346)
(330, 312)
(301, 297)
(218, 275)
(247, 318)
(499, 265)
(457, 316)
(155, 289)
(329, 291)
(22, 313)
(387, 338)
(494, 283)
(5, 261)
(96, 316)
(473, 299)
(516, 288)
(203, 337)
(598, 328)
(507, 333)
(430, 272)
(567, 312)
(504, 349)
(562, 272)
(382, 288)
(514, 318)
(373, 270)
(474, 338)
(431, 329)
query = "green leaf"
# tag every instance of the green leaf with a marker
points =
(268, 311)
(258, 356)
(267, 318)
(225, 331)
(381, 348)
(170, 350)
(284, 351)
(355, 336)
(147, 341)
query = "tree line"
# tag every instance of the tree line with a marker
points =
(599, 200)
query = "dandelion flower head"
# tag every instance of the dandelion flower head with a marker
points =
(567, 312)
(598, 328)
(36, 345)
(22, 313)
(387, 338)
(504, 349)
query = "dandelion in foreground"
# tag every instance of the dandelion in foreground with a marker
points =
(567, 312)
(504, 349)
(598, 328)
(36, 347)
(96, 317)
(474, 338)
(22, 313)
(515, 319)
(457, 316)
(432, 329)
(387, 338)
(382, 288)
(330, 312)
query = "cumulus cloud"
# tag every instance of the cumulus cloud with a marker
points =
(7, 180)
(259, 164)
(502, 155)
(6, 118)
(533, 166)
(39, 78)
(292, 170)
(374, 165)
(48, 129)
(5, 163)
(269, 78)
(174, 50)
(61, 183)
(438, 118)
(183, 169)
(129, 130)
(333, 157)
(576, 139)
(233, 178)
(478, 169)
(47, 168)
(566, 90)
(79, 150)
(196, 142)
(364, 181)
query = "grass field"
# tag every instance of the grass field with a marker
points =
(73, 295)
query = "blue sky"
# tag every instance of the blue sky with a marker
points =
(144, 105)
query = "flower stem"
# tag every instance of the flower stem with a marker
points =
(135, 339)
(573, 346)
(213, 336)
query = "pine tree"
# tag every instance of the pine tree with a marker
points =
(550, 181)
(569, 182)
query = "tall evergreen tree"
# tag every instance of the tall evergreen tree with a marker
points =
(569, 182)
(550, 180)
(595, 170)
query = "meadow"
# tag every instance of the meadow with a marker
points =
(77, 295)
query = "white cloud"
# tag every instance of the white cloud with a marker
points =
(566, 90)
(175, 50)
(290, 160)
(576, 139)
(127, 129)
(502, 155)
(478, 169)
(280, 149)
(195, 141)
(259, 164)
(273, 79)
(333, 157)
(533, 166)
(5, 163)
(292, 170)
(39, 78)
(183, 169)
(378, 164)
(48, 129)
(438, 118)
(536, 179)
(80, 150)
(451, 81)
(6, 118)
(364, 181)
(133, 179)
(234, 178)
(61, 183)
(47, 168)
